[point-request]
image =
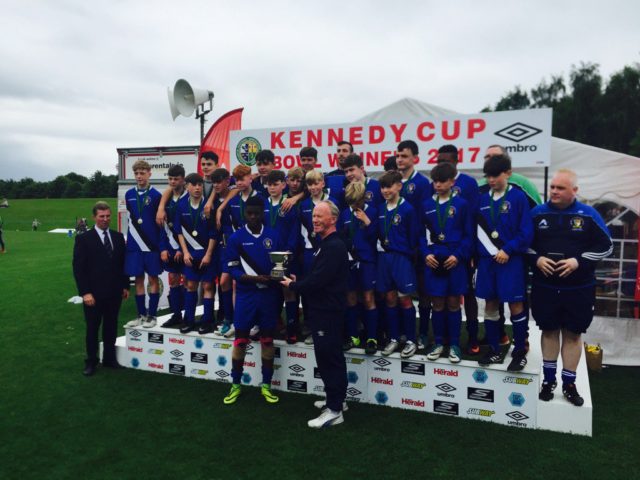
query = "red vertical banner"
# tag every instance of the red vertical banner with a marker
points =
(217, 138)
(636, 308)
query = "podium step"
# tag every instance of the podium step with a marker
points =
(463, 390)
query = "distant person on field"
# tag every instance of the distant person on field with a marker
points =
(2, 247)
(35, 224)
(98, 268)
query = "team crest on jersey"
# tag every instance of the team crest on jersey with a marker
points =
(147, 201)
(267, 243)
(368, 196)
(456, 190)
(411, 187)
(577, 224)
(451, 212)
(281, 213)
(397, 218)
(506, 206)
(203, 216)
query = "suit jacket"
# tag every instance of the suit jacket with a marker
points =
(95, 272)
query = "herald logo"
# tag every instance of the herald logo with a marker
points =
(412, 403)
(445, 372)
(296, 354)
(135, 349)
(249, 364)
(275, 383)
(382, 381)
(157, 366)
(179, 341)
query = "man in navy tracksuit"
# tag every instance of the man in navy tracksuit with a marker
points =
(569, 239)
(325, 287)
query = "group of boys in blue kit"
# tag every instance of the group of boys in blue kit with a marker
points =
(406, 236)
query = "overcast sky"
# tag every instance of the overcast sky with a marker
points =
(82, 78)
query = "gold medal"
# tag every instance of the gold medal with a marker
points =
(139, 221)
(386, 242)
(441, 237)
(495, 234)
(194, 233)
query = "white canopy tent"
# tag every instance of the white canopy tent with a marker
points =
(602, 175)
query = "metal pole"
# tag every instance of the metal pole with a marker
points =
(546, 180)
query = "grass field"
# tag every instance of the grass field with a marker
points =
(57, 424)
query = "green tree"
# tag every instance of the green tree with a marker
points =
(621, 108)
(58, 186)
(514, 100)
(73, 190)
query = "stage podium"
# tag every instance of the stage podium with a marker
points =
(462, 390)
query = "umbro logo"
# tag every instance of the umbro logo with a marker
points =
(543, 224)
(518, 132)
(445, 387)
(517, 416)
(381, 362)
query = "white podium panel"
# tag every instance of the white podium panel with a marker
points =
(461, 390)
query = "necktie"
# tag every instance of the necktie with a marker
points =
(107, 243)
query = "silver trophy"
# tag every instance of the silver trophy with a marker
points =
(280, 261)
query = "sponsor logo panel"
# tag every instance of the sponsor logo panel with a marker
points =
(448, 408)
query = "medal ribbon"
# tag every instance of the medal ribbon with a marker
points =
(273, 212)
(442, 219)
(387, 224)
(495, 216)
(144, 201)
(195, 220)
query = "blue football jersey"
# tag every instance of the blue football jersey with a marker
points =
(168, 237)
(504, 224)
(451, 233)
(194, 226)
(467, 187)
(143, 234)
(398, 228)
(286, 225)
(236, 208)
(372, 194)
(360, 239)
(248, 254)
(415, 189)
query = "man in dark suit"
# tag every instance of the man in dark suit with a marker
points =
(98, 267)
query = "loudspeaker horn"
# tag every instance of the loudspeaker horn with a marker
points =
(172, 105)
(186, 98)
